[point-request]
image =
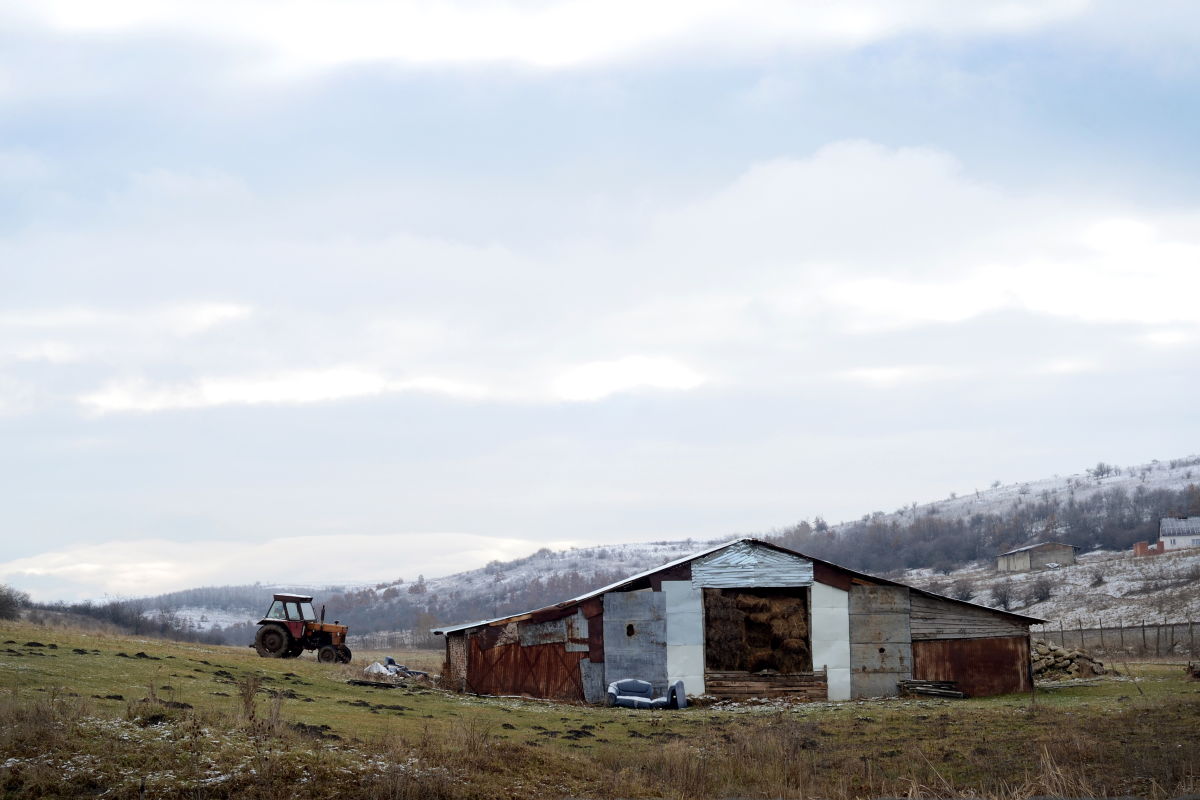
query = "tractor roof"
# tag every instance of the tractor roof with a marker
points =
(295, 598)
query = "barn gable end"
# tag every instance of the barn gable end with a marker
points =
(747, 563)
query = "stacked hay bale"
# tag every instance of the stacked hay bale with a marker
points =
(1054, 662)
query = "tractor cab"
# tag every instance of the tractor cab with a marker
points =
(291, 607)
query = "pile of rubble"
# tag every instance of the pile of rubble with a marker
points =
(1054, 662)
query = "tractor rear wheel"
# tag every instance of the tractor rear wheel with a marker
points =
(327, 654)
(295, 650)
(272, 641)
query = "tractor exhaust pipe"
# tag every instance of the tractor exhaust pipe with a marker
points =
(322, 612)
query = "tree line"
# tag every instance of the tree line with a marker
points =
(1109, 520)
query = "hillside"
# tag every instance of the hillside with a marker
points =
(1103, 587)
(1001, 499)
(1102, 510)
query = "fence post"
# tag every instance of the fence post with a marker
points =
(1081, 644)
(1062, 636)
(1191, 640)
(1157, 638)
(1121, 633)
(1145, 646)
(1100, 622)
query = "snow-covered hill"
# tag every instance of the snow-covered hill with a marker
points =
(1131, 589)
(998, 499)
(1102, 587)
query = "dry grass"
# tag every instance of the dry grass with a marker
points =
(188, 725)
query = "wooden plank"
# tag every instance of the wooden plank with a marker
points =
(936, 618)
(741, 685)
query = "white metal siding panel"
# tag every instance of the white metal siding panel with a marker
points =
(685, 634)
(748, 564)
(831, 637)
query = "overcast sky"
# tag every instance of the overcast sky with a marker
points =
(361, 290)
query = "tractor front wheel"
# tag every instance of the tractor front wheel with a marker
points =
(344, 654)
(327, 654)
(272, 641)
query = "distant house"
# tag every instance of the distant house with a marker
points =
(1036, 556)
(1177, 533)
(744, 619)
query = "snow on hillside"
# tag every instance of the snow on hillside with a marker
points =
(1115, 588)
(1175, 474)
(205, 619)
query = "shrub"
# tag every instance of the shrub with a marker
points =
(12, 601)
(1039, 590)
(1003, 595)
(962, 589)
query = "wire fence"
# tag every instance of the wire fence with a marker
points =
(396, 640)
(1141, 640)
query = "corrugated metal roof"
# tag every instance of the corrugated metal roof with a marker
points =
(701, 554)
(1035, 546)
(1179, 526)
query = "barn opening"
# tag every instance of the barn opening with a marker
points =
(755, 629)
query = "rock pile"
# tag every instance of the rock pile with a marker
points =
(1054, 662)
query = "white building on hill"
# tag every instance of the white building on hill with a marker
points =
(1177, 533)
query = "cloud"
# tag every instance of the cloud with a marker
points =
(308, 35)
(1068, 366)
(601, 379)
(298, 387)
(138, 567)
(178, 320)
(77, 334)
(584, 383)
(898, 374)
(741, 281)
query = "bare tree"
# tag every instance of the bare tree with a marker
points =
(1003, 595)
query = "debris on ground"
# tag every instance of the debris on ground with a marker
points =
(390, 669)
(932, 688)
(1055, 662)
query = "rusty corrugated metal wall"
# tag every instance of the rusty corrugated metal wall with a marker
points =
(997, 665)
(539, 670)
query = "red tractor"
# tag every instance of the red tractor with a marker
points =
(291, 626)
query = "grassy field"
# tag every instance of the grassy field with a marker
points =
(111, 716)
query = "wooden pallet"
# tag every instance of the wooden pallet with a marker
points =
(808, 686)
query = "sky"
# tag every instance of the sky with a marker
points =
(355, 291)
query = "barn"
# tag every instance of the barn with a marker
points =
(1036, 556)
(741, 619)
